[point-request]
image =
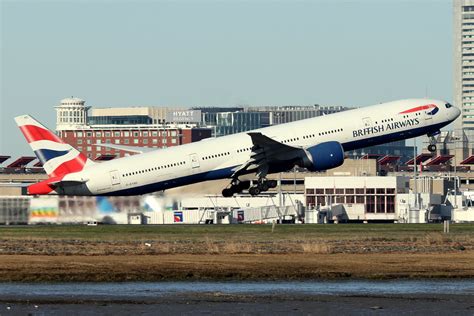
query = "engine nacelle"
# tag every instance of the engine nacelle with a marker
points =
(324, 156)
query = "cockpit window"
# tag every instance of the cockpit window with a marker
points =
(448, 105)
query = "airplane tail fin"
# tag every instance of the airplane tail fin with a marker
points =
(57, 157)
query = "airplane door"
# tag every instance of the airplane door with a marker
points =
(115, 177)
(367, 121)
(194, 161)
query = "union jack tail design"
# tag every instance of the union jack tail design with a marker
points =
(57, 157)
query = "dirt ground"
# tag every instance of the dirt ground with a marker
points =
(26, 268)
(234, 253)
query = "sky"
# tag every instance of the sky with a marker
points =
(218, 53)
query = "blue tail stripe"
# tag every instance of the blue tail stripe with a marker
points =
(47, 154)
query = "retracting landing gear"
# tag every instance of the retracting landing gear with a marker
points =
(432, 145)
(237, 186)
(262, 186)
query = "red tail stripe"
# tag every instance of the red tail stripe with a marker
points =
(74, 165)
(419, 108)
(34, 133)
(42, 187)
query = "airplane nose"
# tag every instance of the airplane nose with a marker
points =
(456, 111)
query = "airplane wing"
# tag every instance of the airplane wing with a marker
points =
(133, 149)
(264, 151)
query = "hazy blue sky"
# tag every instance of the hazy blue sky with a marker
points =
(191, 53)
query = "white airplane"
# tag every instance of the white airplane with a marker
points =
(316, 144)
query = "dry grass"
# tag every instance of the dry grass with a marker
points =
(319, 248)
(237, 247)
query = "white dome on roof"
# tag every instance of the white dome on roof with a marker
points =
(72, 101)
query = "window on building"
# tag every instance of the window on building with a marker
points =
(154, 133)
(117, 141)
(320, 200)
(350, 199)
(380, 203)
(135, 134)
(360, 199)
(173, 133)
(107, 134)
(173, 141)
(370, 204)
(126, 141)
(154, 141)
(98, 134)
(79, 134)
(390, 204)
(163, 140)
(145, 141)
(79, 141)
(360, 191)
(329, 191)
(145, 134)
(310, 201)
(126, 134)
(89, 134)
(135, 141)
(117, 134)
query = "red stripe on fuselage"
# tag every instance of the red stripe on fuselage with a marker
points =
(419, 108)
(74, 165)
(34, 133)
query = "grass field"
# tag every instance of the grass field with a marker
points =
(226, 232)
(175, 252)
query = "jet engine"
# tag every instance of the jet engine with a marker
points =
(324, 156)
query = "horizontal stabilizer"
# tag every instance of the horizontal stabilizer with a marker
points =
(133, 149)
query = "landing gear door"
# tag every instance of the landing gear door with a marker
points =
(194, 159)
(115, 177)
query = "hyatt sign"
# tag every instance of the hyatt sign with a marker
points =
(183, 116)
